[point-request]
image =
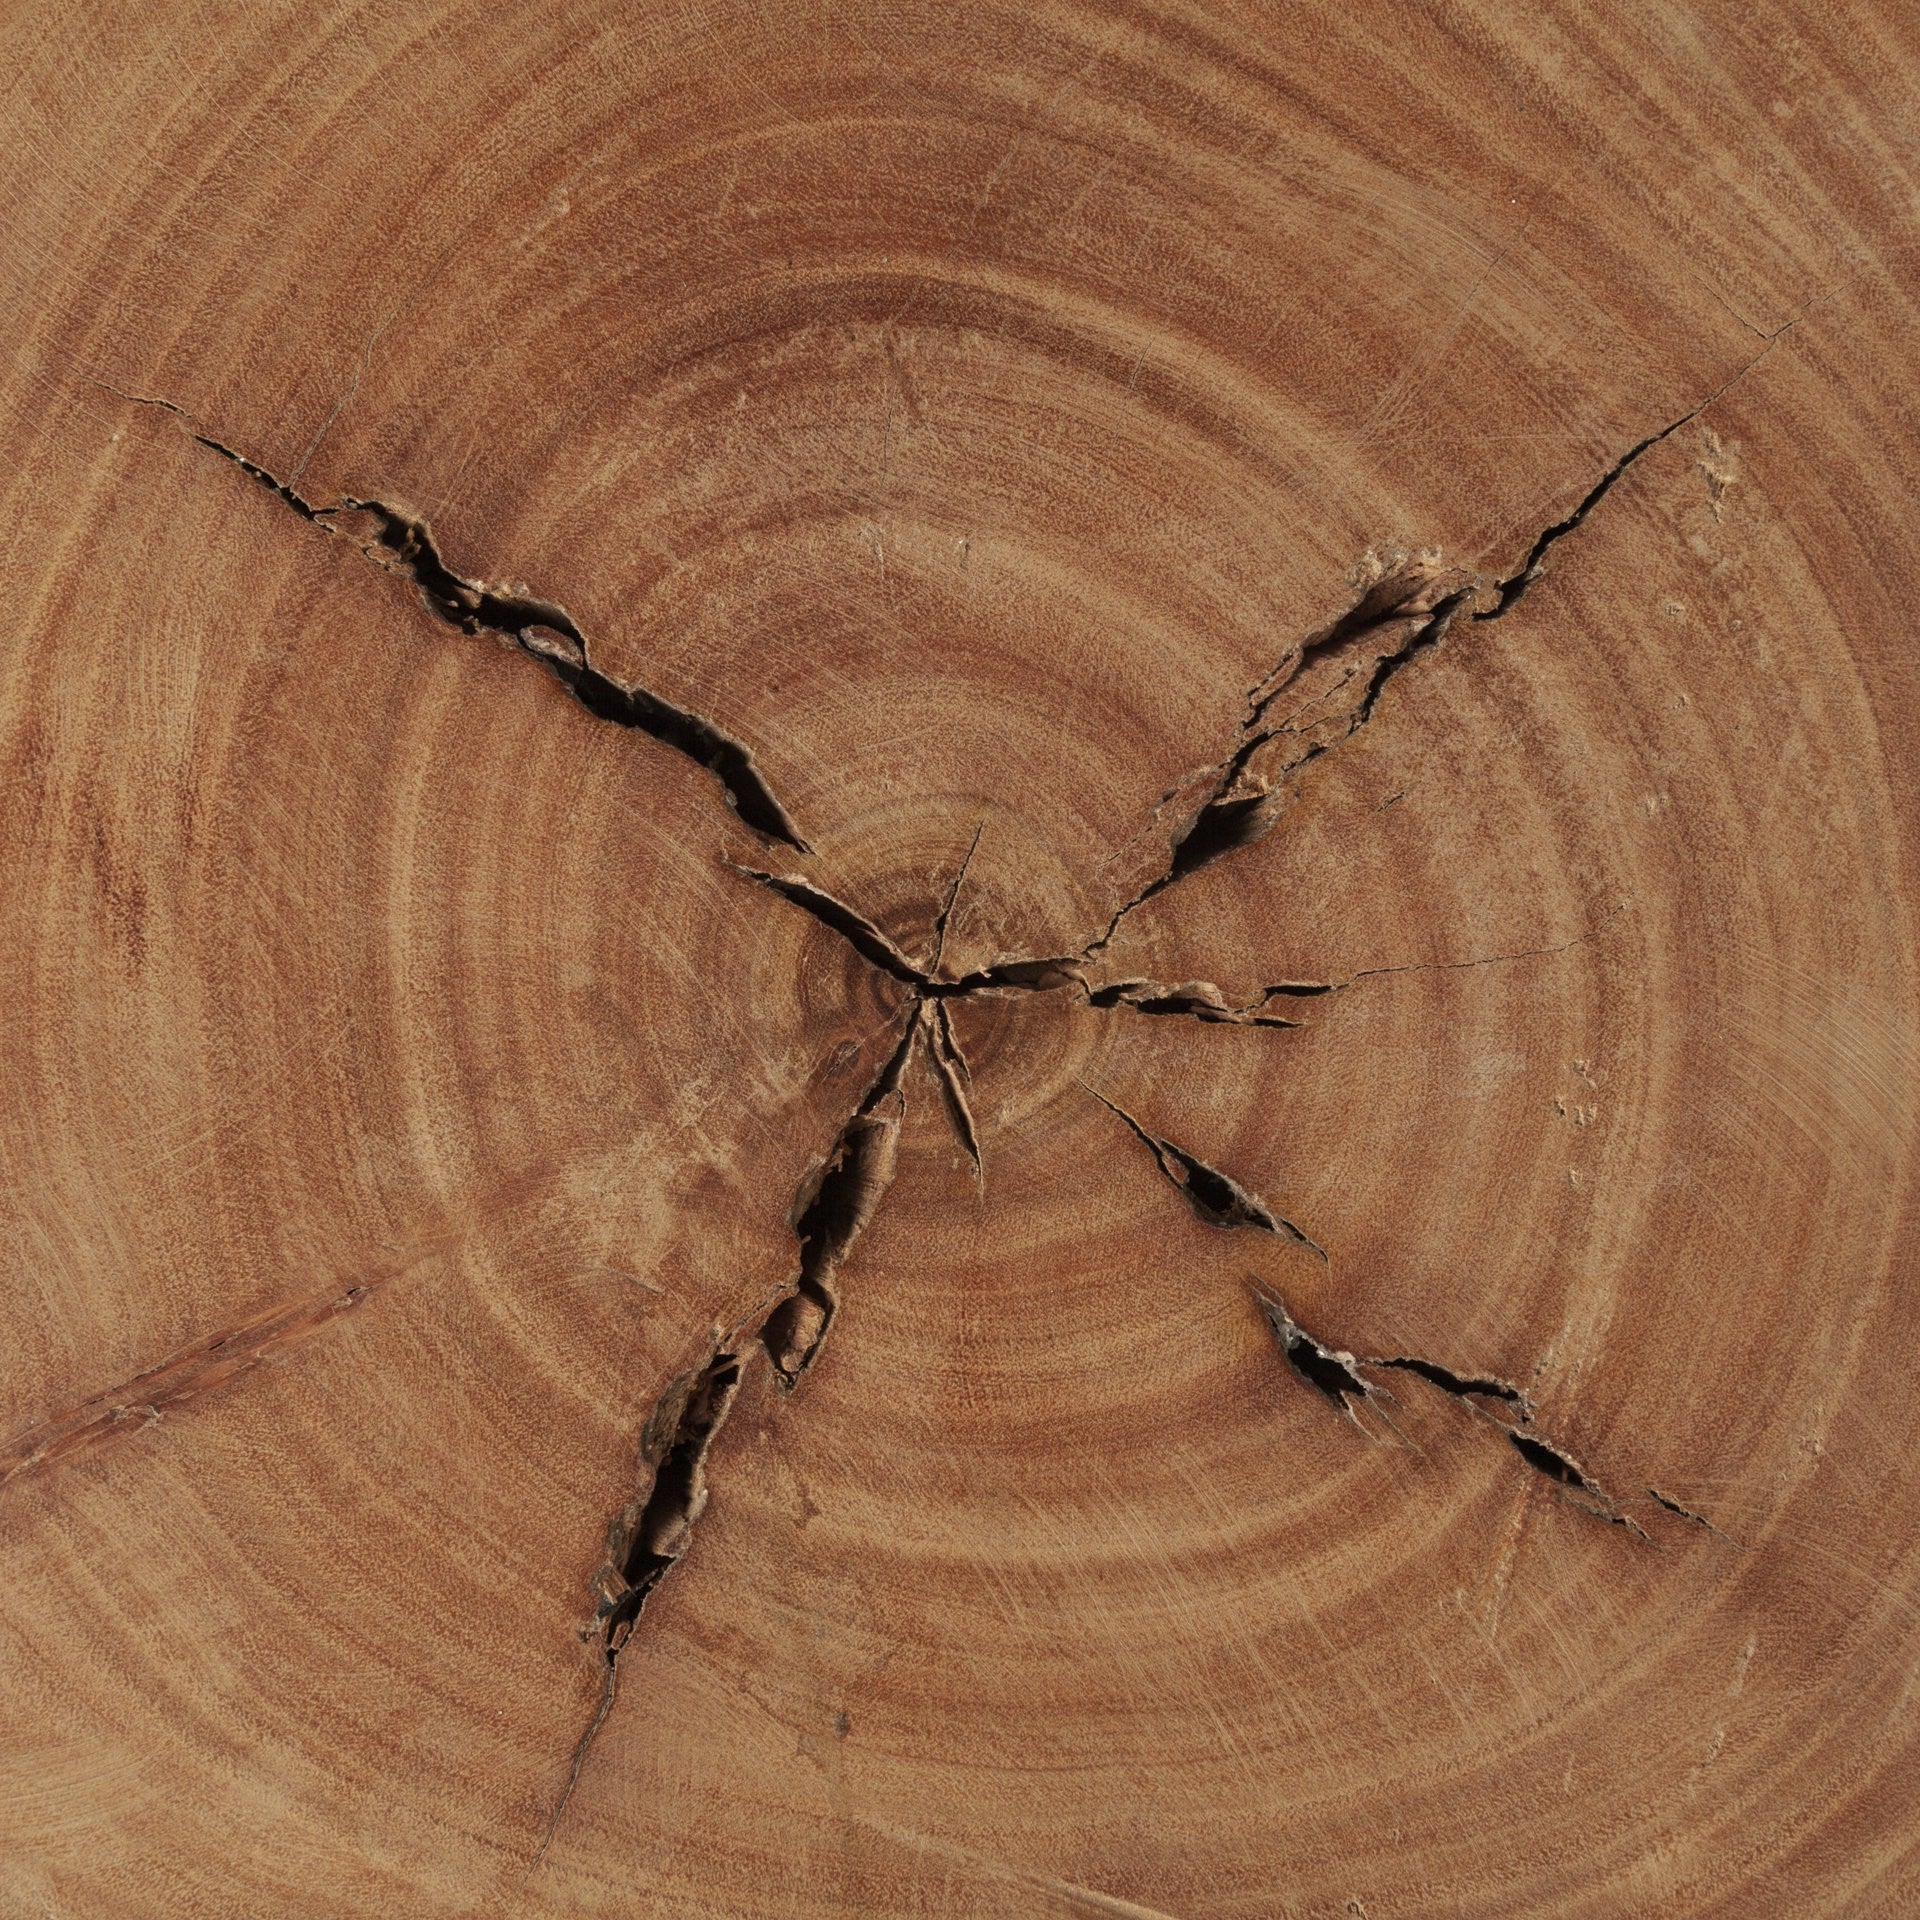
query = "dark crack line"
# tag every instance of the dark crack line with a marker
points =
(953, 895)
(1508, 591)
(1202, 1000)
(1215, 1197)
(1338, 1375)
(930, 994)
(1241, 801)
(1019, 975)
(1382, 603)
(1191, 999)
(1468, 1387)
(404, 545)
(955, 1083)
(1237, 811)
(832, 1210)
(609, 1688)
(1332, 1372)
(1241, 806)
(1559, 1466)
(852, 926)
(645, 1541)
(1687, 1513)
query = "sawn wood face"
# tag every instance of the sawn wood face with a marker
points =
(958, 962)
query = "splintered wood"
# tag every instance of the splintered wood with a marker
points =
(959, 961)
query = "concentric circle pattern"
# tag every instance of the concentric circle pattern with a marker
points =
(959, 961)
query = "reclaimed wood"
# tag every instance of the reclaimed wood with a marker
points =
(959, 961)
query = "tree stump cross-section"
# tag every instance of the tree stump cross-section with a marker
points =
(959, 962)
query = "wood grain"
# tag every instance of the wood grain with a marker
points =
(959, 961)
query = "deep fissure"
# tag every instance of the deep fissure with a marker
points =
(831, 1207)
(404, 545)
(1336, 1374)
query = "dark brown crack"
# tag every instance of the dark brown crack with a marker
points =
(645, 1540)
(1242, 795)
(1564, 1471)
(1467, 1387)
(405, 544)
(852, 926)
(878, 950)
(1203, 1000)
(1340, 1377)
(945, 914)
(202, 1368)
(279, 488)
(831, 1211)
(649, 1537)
(1240, 801)
(1215, 1197)
(402, 543)
(930, 994)
(832, 1206)
(950, 1069)
(1011, 976)
(1508, 591)
(1687, 1513)
(1018, 975)
(1330, 1371)
(1194, 999)
(1383, 600)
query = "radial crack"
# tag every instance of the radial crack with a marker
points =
(1011, 976)
(403, 544)
(1514, 586)
(950, 1069)
(1242, 796)
(1687, 1513)
(1330, 1371)
(853, 927)
(945, 914)
(831, 1208)
(831, 1211)
(1468, 1387)
(1215, 1197)
(1341, 1377)
(1194, 999)
(1563, 1470)
(1204, 1001)
(645, 1540)
(648, 1537)
(1386, 593)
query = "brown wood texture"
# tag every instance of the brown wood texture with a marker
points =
(959, 961)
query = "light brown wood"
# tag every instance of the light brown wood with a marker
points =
(959, 961)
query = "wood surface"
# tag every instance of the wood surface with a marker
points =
(959, 961)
